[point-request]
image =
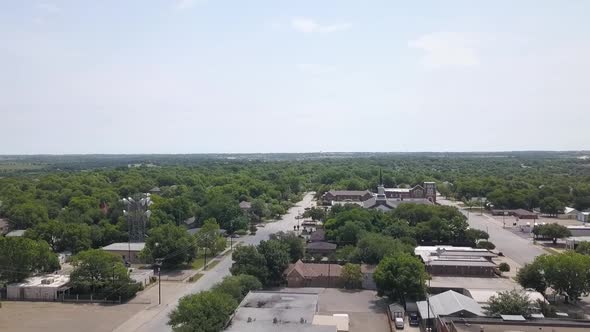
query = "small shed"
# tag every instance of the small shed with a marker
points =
(396, 310)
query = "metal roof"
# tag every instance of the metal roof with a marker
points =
(449, 303)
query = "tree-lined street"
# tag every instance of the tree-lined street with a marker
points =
(155, 317)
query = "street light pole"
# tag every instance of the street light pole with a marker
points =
(159, 286)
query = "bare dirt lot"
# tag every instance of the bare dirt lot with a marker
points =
(63, 317)
(366, 311)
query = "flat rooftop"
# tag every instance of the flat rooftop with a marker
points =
(51, 281)
(125, 246)
(531, 325)
(498, 284)
(292, 312)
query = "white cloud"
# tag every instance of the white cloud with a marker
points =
(185, 4)
(308, 25)
(48, 7)
(444, 49)
(315, 68)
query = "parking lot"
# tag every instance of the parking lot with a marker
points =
(366, 311)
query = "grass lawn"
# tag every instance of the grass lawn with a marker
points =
(195, 277)
(212, 264)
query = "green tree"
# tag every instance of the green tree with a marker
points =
(567, 273)
(531, 276)
(345, 253)
(171, 243)
(349, 233)
(352, 277)
(97, 271)
(401, 277)
(553, 231)
(26, 215)
(512, 302)
(295, 244)
(277, 259)
(315, 213)
(551, 206)
(372, 247)
(247, 260)
(238, 286)
(202, 312)
(21, 257)
(583, 248)
(208, 236)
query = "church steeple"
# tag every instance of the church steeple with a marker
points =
(380, 188)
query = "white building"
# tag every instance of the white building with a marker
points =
(583, 216)
(44, 288)
(129, 251)
(568, 213)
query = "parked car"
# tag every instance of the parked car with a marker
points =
(399, 323)
(414, 320)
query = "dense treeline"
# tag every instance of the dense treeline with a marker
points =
(79, 210)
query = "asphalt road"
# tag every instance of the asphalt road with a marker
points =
(154, 318)
(519, 249)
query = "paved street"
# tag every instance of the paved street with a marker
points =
(519, 249)
(155, 317)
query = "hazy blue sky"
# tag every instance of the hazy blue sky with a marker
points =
(291, 76)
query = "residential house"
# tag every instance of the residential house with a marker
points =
(318, 236)
(320, 248)
(155, 191)
(245, 206)
(568, 213)
(313, 275)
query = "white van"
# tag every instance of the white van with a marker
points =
(399, 323)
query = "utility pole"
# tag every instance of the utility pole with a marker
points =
(159, 267)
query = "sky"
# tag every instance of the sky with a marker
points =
(220, 76)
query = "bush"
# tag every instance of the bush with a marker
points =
(486, 245)
(504, 267)
(241, 232)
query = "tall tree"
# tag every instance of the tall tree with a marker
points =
(295, 244)
(531, 276)
(277, 259)
(171, 243)
(553, 231)
(247, 260)
(352, 277)
(401, 277)
(98, 271)
(512, 302)
(21, 257)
